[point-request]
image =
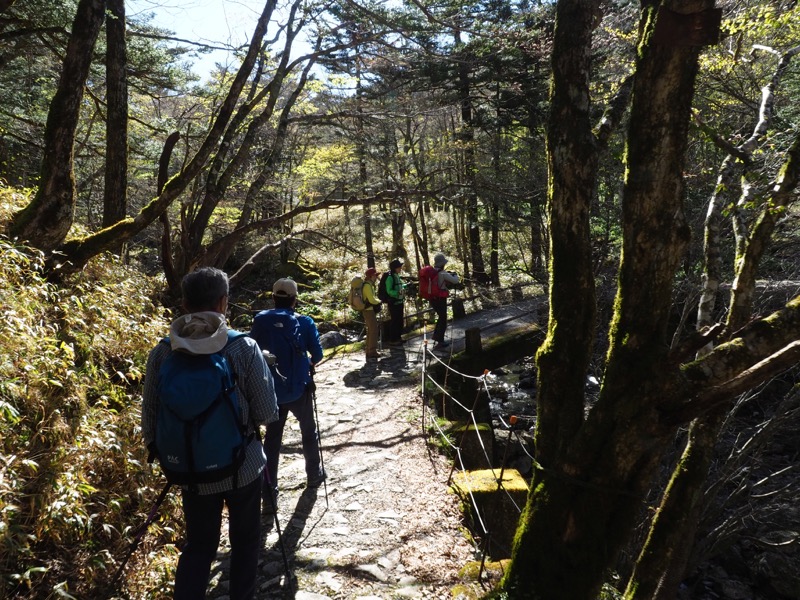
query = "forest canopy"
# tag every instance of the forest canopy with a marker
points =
(637, 160)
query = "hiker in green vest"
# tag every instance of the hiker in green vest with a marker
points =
(395, 289)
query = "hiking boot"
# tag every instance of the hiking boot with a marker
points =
(315, 482)
(441, 345)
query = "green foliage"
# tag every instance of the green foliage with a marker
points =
(74, 484)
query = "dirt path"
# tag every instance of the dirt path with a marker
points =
(386, 525)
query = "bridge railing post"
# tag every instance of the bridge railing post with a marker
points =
(472, 340)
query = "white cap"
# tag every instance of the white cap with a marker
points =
(284, 287)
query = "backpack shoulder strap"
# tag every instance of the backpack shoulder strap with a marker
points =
(234, 335)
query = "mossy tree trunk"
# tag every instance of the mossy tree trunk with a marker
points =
(594, 471)
(666, 553)
(115, 193)
(46, 221)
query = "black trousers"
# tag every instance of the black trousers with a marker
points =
(395, 322)
(440, 307)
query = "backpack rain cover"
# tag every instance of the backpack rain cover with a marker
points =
(429, 284)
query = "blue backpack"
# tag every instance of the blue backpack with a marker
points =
(278, 332)
(200, 436)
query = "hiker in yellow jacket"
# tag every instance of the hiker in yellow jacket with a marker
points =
(372, 307)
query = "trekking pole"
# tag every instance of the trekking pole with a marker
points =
(273, 500)
(139, 535)
(313, 387)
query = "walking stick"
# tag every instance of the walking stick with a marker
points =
(139, 535)
(273, 501)
(313, 387)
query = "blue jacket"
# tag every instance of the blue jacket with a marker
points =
(309, 345)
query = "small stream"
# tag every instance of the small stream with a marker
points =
(512, 393)
(512, 390)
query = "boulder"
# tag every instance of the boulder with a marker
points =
(332, 339)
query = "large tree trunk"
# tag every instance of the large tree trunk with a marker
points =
(116, 176)
(362, 170)
(593, 473)
(45, 222)
(664, 557)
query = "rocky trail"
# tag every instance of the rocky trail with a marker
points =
(385, 524)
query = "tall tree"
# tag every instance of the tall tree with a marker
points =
(594, 467)
(46, 221)
(116, 166)
(665, 555)
(466, 134)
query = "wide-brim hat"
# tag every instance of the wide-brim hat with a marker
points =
(439, 260)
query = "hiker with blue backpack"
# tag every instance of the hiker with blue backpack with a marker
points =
(207, 389)
(289, 338)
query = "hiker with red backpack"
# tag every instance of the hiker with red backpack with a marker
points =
(289, 338)
(206, 391)
(433, 286)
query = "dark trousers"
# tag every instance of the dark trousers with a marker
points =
(303, 410)
(203, 516)
(395, 322)
(440, 306)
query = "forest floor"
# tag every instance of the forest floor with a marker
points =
(385, 525)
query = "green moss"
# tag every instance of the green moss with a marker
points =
(472, 569)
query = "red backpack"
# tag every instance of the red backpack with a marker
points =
(429, 284)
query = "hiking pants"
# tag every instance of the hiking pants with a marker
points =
(371, 321)
(440, 306)
(303, 410)
(396, 321)
(203, 514)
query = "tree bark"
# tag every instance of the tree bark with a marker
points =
(46, 221)
(467, 137)
(665, 555)
(116, 173)
(593, 473)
